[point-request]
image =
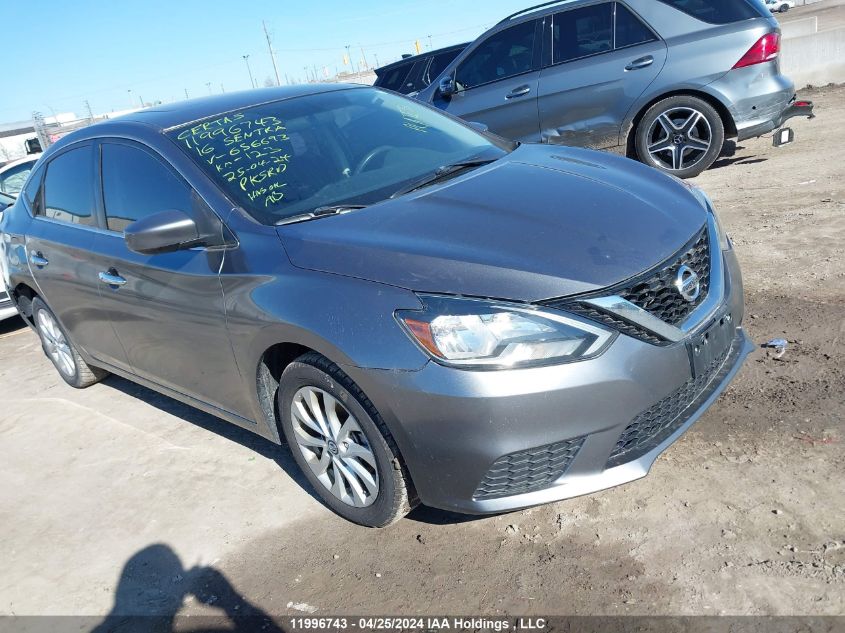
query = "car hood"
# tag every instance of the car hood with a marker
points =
(542, 222)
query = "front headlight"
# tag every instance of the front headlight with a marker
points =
(492, 335)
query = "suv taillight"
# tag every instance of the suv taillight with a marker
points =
(765, 50)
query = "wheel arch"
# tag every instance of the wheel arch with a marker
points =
(718, 105)
(23, 294)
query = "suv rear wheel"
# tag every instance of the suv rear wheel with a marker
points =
(342, 444)
(61, 352)
(681, 135)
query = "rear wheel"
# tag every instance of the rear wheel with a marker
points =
(784, 8)
(681, 135)
(341, 443)
(61, 352)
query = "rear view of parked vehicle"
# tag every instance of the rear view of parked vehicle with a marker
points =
(664, 81)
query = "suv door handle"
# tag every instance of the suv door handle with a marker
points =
(111, 278)
(37, 259)
(642, 62)
(518, 92)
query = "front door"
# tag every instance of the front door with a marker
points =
(497, 83)
(603, 59)
(167, 309)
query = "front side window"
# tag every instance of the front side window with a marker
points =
(69, 187)
(136, 185)
(12, 180)
(439, 63)
(583, 32)
(502, 55)
(630, 31)
(394, 78)
(32, 191)
(350, 146)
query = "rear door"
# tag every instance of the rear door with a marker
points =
(497, 83)
(167, 308)
(58, 246)
(603, 58)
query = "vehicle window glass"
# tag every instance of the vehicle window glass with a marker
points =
(438, 65)
(11, 180)
(414, 80)
(136, 185)
(393, 78)
(502, 55)
(31, 191)
(583, 32)
(630, 31)
(716, 11)
(69, 188)
(345, 146)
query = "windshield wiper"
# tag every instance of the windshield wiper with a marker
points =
(321, 212)
(442, 172)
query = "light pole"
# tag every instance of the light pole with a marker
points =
(131, 101)
(249, 70)
(208, 85)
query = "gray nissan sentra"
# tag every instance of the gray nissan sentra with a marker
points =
(424, 312)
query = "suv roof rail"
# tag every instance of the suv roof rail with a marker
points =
(530, 9)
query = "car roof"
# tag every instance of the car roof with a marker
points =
(172, 115)
(19, 161)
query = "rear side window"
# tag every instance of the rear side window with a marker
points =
(502, 55)
(414, 81)
(583, 32)
(32, 191)
(69, 188)
(630, 31)
(136, 185)
(393, 78)
(716, 11)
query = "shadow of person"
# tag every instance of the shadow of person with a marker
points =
(153, 586)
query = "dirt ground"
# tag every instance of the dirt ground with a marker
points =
(115, 499)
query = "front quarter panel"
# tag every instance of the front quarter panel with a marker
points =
(269, 301)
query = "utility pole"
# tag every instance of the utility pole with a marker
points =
(186, 94)
(430, 46)
(364, 57)
(349, 59)
(208, 85)
(376, 56)
(88, 109)
(222, 89)
(131, 100)
(249, 70)
(272, 54)
(141, 99)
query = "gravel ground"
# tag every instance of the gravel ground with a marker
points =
(744, 515)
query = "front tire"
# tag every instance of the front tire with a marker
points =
(681, 135)
(60, 350)
(784, 8)
(341, 443)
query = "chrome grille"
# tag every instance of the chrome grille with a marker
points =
(529, 470)
(657, 293)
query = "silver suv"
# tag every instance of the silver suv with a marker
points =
(664, 81)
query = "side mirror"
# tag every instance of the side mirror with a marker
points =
(162, 232)
(478, 126)
(447, 86)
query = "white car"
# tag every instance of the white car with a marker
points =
(780, 6)
(14, 173)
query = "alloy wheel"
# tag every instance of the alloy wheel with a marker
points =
(55, 343)
(679, 138)
(335, 447)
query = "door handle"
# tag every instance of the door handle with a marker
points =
(642, 62)
(37, 259)
(111, 279)
(518, 92)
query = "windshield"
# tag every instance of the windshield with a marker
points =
(347, 147)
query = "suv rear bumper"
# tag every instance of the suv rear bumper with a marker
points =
(795, 108)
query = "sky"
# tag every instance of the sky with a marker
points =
(115, 54)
